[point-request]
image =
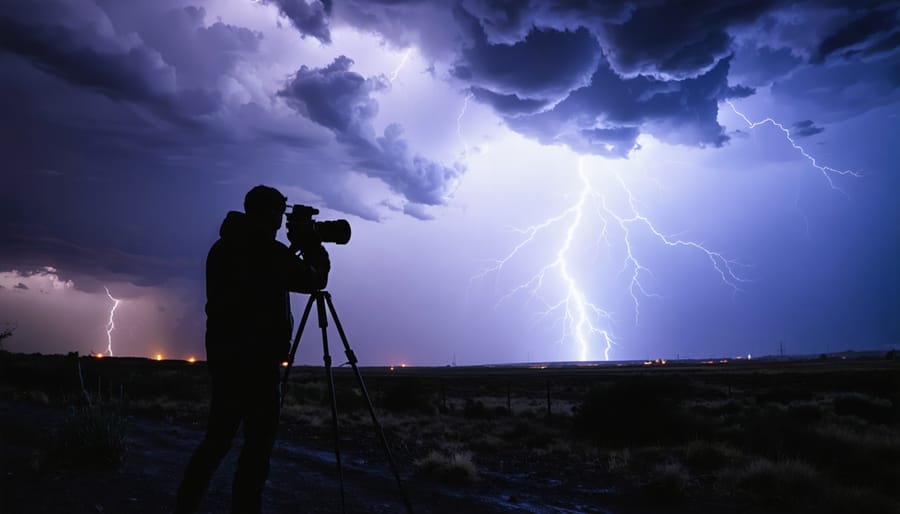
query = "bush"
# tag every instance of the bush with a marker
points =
(456, 468)
(706, 456)
(872, 410)
(639, 410)
(783, 483)
(92, 437)
(475, 409)
(407, 396)
(668, 483)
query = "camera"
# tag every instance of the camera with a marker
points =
(300, 221)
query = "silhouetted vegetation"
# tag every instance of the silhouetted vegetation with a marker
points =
(817, 436)
(6, 333)
(92, 437)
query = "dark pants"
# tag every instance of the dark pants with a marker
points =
(239, 395)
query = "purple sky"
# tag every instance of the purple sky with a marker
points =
(526, 181)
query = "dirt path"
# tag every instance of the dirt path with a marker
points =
(302, 479)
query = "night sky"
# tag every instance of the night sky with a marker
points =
(527, 181)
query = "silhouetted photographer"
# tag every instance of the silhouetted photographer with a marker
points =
(249, 277)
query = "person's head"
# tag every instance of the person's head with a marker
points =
(265, 206)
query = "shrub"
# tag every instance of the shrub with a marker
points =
(528, 434)
(475, 409)
(92, 437)
(668, 483)
(783, 483)
(872, 410)
(407, 396)
(639, 410)
(455, 468)
(706, 456)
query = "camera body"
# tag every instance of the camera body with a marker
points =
(304, 228)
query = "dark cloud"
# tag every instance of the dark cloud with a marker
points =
(861, 31)
(341, 100)
(805, 128)
(843, 88)
(309, 18)
(200, 54)
(606, 116)
(678, 39)
(84, 56)
(20, 285)
(545, 66)
(508, 105)
(760, 66)
(509, 22)
(654, 66)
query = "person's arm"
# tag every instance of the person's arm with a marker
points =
(309, 273)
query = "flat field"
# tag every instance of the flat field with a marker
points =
(81, 434)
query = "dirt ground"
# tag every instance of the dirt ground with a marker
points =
(302, 479)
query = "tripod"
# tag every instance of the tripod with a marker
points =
(321, 298)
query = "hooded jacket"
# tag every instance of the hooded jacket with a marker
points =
(249, 275)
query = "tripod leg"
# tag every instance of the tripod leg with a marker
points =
(351, 358)
(326, 356)
(287, 371)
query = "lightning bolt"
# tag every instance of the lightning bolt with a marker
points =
(396, 72)
(111, 325)
(827, 171)
(462, 112)
(587, 324)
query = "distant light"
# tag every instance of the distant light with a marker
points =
(403, 365)
(98, 355)
(392, 368)
(159, 356)
(749, 356)
(192, 360)
(284, 364)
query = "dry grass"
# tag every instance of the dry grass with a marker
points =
(706, 456)
(669, 483)
(788, 482)
(454, 467)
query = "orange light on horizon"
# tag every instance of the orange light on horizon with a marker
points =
(284, 364)
(403, 365)
(98, 355)
(158, 356)
(192, 360)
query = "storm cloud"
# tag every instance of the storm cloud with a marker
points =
(806, 128)
(131, 128)
(338, 98)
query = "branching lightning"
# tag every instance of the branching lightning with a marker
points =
(827, 171)
(587, 324)
(584, 322)
(111, 325)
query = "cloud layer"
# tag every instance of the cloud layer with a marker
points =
(149, 121)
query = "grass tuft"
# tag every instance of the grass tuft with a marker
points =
(453, 468)
(92, 437)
